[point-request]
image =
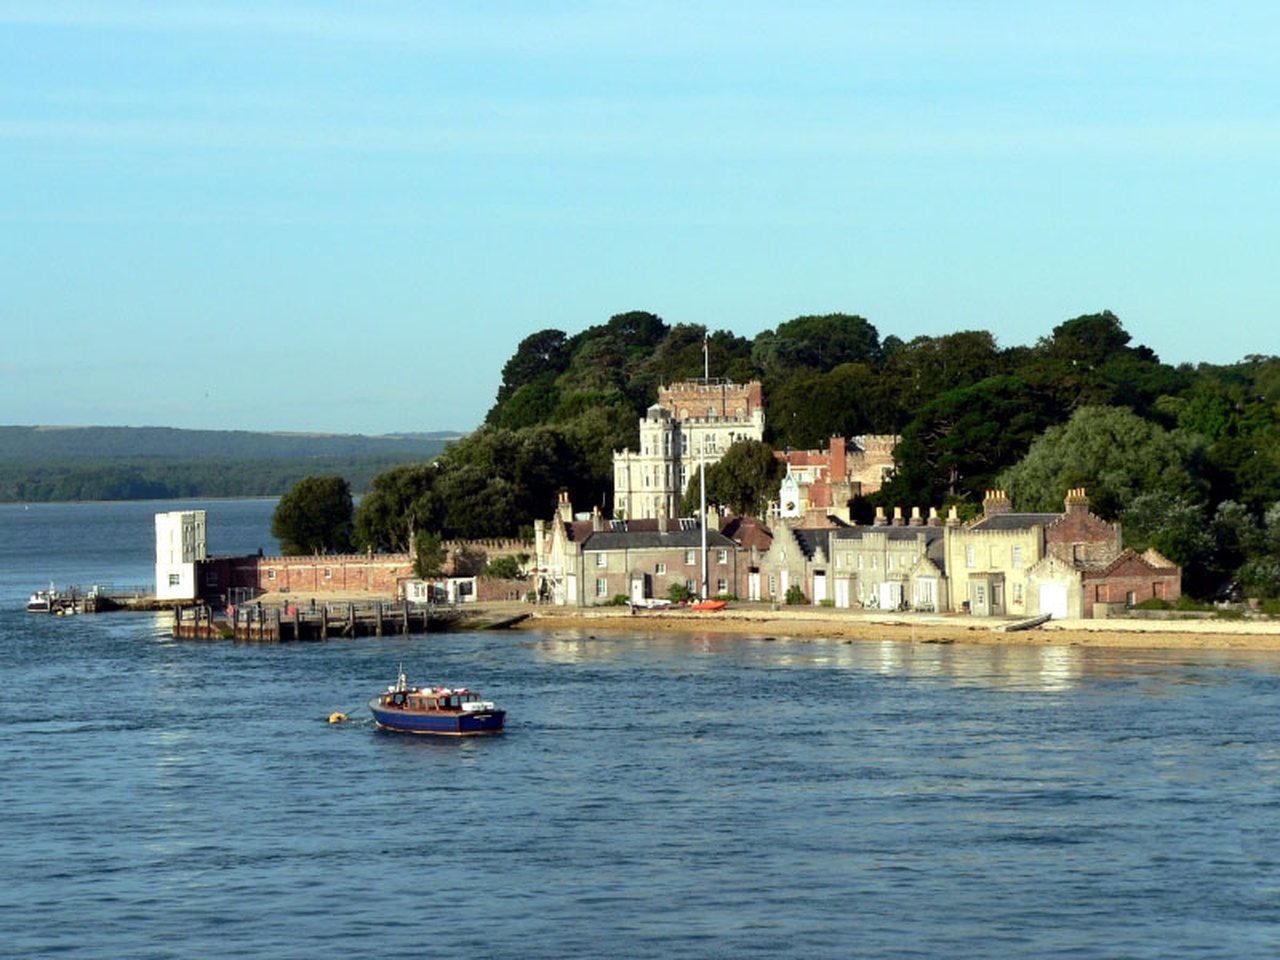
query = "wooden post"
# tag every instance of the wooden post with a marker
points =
(377, 616)
(324, 621)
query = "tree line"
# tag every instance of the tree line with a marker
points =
(1187, 457)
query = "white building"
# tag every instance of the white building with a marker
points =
(688, 417)
(180, 544)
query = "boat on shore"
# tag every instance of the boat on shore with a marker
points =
(442, 711)
(709, 605)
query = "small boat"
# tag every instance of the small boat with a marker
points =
(41, 602)
(453, 712)
(709, 605)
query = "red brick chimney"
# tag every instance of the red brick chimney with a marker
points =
(839, 459)
(1077, 501)
(996, 502)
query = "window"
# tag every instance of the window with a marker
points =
(1017, 587)
(271, 574)
(689, 557)
(691, 586)
(1017, 557)
(722, 586)
(970, 556)
(722, 556)
(888, 562)
(659, 568)
(773, 585)
(600, 560)
(175, 579)
(602, 587)
(328, 573)
(874, 561)
(859, 561)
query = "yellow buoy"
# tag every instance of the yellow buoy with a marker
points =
(337, 717)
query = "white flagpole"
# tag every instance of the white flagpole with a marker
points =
(702, 471)
(706, 356)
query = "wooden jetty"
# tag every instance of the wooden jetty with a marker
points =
(284, 623)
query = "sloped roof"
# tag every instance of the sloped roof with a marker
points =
(748, 532)
(811, 541)
(891, 532)
(1015, 521)
(652, 539)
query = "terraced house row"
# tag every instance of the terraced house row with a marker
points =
(1004, 563)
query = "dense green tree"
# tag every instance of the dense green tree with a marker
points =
(956, 444)
(745, 480)
(400, 503)
(537, 354)
(507, 567)
(314, 517)
(1177, 528)
(429, 556)
(818, 343)
(806, 410)
(1112, 452)
(926, 367)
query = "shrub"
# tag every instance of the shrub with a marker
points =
(1152, 603)
(795, 595)
(621, 599)
(678, 593)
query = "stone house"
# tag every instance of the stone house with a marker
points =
(587, 560)
(1007, 563)
(891, 565)
(795, 557)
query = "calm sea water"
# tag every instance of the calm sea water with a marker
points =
(689, 796)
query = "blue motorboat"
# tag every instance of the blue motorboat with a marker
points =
(444, 711)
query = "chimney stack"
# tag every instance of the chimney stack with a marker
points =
(662, 518)
(880, 520)
(916, 519)
(564, 509)
(1077, 501)
(953, 517)
(996, 502)
(897, 517)
(934, 519)
(597, 521)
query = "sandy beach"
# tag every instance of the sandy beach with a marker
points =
(761, 620)
(1220, 634)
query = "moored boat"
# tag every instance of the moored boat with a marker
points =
(41, 602)
(444, 711)
(709, 605)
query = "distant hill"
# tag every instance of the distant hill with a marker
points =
(136, 463)
(55, 443)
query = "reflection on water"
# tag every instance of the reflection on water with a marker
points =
(1014, 667)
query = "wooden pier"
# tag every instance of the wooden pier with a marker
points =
(285, 623)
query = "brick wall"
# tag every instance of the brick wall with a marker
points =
(1131, 574)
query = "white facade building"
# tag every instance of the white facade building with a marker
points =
(180, 544)
(651, 481)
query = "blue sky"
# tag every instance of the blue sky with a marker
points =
(344, 216)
